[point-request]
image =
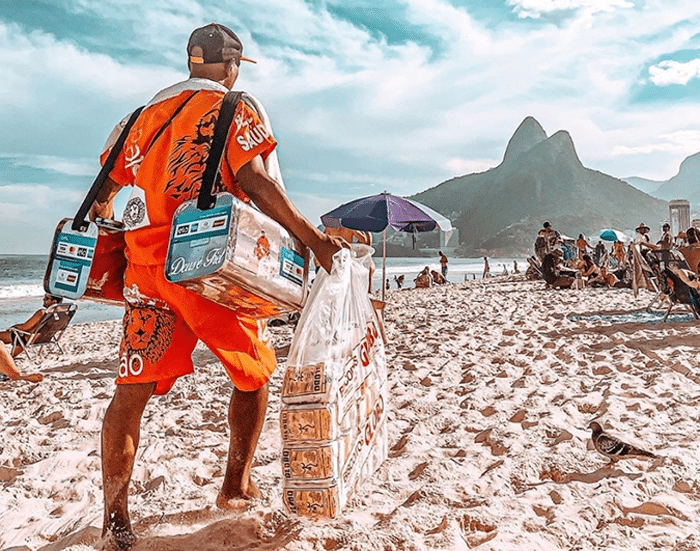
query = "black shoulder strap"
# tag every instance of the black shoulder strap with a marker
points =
(79, 220)
(223, 123)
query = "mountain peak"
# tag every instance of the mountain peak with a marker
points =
(563, 144)
(527, 135)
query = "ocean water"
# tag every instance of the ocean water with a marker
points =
(22, 292)
(22, 276)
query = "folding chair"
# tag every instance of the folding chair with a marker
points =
(672, 276)
(48, 331)
(683, 290)
(659, 260)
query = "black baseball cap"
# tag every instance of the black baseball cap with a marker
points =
(215, 43)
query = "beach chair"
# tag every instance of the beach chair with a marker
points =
(47, 332)
(683, 290)
(534, 269)
(665, 265)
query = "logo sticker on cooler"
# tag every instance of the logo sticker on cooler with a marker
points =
(291, 266)
(71, 250)
(201, 227)
(68, 278)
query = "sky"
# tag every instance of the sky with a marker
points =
(364, 96)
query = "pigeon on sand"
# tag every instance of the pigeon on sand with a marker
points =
(612, 448)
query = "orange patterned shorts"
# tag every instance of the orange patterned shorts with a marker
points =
(163, 323)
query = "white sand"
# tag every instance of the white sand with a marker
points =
(492, 388)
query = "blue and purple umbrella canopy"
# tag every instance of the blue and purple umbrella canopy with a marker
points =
(376, 212)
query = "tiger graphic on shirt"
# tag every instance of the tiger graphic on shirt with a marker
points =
(188, 158)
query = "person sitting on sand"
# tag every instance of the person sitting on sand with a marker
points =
(551, 271)
(399, 281)
(8, 367)
(423, 279)
(587, 268)
(603, 279)
(50, 303)
(438, 278)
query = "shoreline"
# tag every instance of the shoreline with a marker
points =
(492, 385)
(15, 308)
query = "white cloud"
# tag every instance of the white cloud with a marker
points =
(411, 116)
(313, 206)
(37, 63)
(683, 142)
(670, 72)
(63, 165)
(19, 201)
(460, 167)
(536, 8)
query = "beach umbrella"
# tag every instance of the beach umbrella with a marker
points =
(376, 212)
(613, 235)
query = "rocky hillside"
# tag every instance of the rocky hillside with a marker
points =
(540, 178)
(684, 185)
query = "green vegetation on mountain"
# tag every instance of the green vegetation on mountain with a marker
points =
(500, 211)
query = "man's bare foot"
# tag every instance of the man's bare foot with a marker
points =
(239, 500)
(33, 377)
(118, 539)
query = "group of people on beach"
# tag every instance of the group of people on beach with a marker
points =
(426, 277)
(564, 266)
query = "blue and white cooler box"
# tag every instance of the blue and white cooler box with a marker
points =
(71, 259)
(237, 256)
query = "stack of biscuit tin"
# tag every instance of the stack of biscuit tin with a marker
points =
(333, 422)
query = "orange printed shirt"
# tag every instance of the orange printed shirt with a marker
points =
(165, 154)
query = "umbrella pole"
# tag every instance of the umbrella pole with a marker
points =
(383, 284)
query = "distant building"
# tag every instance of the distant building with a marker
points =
(679, 215)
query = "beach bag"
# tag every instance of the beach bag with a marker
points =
(334, 392)
(87, 259)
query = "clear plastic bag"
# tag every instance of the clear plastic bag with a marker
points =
(338, 328)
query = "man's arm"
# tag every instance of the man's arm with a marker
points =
(103, 207)
(269, 197)
(31, 323)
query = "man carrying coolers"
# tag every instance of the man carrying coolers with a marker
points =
(163, 159)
